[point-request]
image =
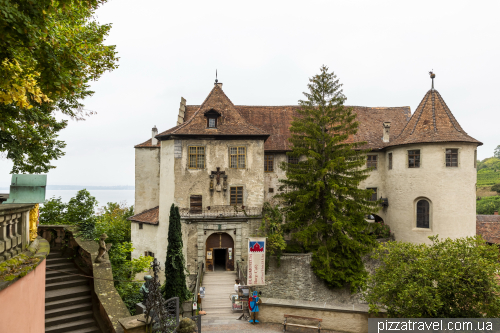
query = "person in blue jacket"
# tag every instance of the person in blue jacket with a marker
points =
(253, 306)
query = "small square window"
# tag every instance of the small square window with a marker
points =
(451, 157)
(371, 161)
(374, 193)
(293, 160)
(212, 122)
(271, 190)
(390, 161)
(149, 254)
(413, 158)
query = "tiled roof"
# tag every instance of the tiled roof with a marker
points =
(229, 123)
(432, 122)
(149, 216)
(488, 226)
(147, 144)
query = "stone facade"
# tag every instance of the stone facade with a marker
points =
(166, 175)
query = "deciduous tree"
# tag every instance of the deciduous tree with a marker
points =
(325, 209)
(446, 279)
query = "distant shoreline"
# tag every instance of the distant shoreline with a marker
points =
(79, 187)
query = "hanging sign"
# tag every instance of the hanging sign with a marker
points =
(256, 261)
(195, 306)
(209, 255)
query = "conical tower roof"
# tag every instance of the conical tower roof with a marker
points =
(230, 123)
(433, 122)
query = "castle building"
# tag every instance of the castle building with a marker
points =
(221, 163)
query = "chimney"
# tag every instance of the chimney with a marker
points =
(154, 132)
(495, 213)
(182, 109)
(387, 127)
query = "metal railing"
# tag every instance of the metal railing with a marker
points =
(221, 212)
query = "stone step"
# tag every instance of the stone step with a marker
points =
(54, 254)
(61, 266)
(66, 284)
(92, 329)
(61, 278)
(57, 260)
(60, 294)
(68, 309)
(59, 272)
(65, 302)
(69, 318)
(71, 326)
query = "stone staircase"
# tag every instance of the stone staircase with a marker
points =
(68, 302)
(218, 286)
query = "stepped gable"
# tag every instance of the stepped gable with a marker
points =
(149, 216)
(433, 122)
(230, 122)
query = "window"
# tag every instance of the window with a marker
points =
(293, 160)
(140, 225)
(374, 194)
(268, 163)
(390, 161)
(451, 157)
(423, 214)
(149, 254)
(237, 157)
(475, 158)
(371, 161)
(212, 122)
(196, 157)
(271, 190)
(236, 195)
(413, 158)
(195, 202)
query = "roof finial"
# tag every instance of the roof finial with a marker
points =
(432, 77)
(216, 77)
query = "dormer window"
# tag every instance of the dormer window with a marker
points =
(212, 122)
(212, 117)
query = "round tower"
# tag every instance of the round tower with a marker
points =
(431, 181)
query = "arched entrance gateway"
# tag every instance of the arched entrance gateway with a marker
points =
(219, 252)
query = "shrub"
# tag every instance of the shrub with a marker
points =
(496, 188)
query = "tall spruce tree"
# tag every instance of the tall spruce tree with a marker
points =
(325, 209)
(175, 278)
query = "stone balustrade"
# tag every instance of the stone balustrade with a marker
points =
(14, 229)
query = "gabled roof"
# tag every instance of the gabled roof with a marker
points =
(432, 122)
(230, 123)
(149, 216)
(148, 144)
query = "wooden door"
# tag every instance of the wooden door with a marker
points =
(221, 240)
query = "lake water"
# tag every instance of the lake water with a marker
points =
(102, 196)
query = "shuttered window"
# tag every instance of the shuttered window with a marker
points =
(236, 197)
(195, 203)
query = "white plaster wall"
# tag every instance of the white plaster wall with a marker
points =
(451, 191)
(147, 178)
(377, 178)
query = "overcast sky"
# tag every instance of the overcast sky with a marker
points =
(264, 52)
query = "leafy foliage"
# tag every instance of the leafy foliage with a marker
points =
(175, 277)
(496, 188)
(272, 226)
(381, 230)
(325, 209)
(496, 152)
(111, 220)
(447, 279)
(49, 53)
(488, 205)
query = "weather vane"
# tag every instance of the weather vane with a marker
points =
(431, 73)
(216, 77)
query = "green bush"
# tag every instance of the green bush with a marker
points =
(446, 279)
(496, 188)
(488, 205)
(53, 211)
(381, 230)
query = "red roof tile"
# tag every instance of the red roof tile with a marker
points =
(432, 122)
(488, 226)
(147, 144)
(150, 216)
